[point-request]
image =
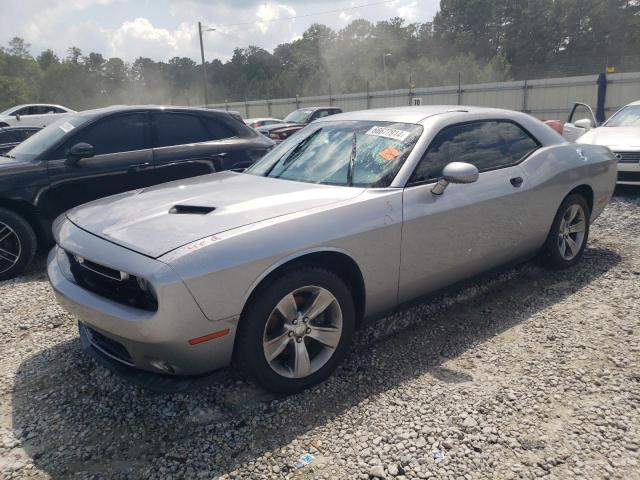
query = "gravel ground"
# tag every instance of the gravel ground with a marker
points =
(527, 373)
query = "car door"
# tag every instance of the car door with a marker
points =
(123, 161)
(469, 228)
(580, 112)
(187, 145)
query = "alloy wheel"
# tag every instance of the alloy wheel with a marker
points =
(571, 233)
(10, 247)
(302, 332)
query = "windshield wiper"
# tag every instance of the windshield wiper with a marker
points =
(292, 154)
(352, 159)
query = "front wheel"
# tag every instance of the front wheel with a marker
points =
(569, 233)
(296, 331)
(17, 244)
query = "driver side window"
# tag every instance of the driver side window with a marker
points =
(486, 144)
(121, 133)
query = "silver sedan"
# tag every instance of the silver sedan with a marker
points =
(275, 268)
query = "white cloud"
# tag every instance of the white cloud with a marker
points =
(139, 37)
(267, 12)
(409, 11)
(345, 17)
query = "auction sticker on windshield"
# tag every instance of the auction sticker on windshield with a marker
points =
(387, 132)
(66, 127)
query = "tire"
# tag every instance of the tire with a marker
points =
(265, 330)
(18, 244)
(569, 233)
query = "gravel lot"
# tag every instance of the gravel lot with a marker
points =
(527, 373)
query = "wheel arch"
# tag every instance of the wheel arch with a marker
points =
(335, 260)
(29, 213)
(586, 191)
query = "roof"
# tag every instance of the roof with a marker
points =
(409, 114)
(127, 108)
(318, 107)
(637, 102)
(20, 127)
(257, 119)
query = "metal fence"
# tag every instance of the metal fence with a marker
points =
(543, 98)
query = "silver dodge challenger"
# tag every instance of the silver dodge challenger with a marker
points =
(273, 269)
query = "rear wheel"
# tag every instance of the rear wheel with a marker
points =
(297, 330)
(17, 244)
(569, 233)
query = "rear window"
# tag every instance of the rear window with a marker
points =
(179, 129)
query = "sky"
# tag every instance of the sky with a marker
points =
(161, 29)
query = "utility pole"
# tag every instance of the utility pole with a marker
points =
(204, 65)
(384, 69)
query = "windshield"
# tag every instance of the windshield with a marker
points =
(347, 153)
(627, 117)
(7, 112)
(47, 137)
(298, 116)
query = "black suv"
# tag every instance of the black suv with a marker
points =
(97, 153)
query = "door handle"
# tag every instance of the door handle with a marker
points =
(516, 181)
(140, 167)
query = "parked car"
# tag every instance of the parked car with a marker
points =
(275, 268)
(621, 133)
(261, 122)
(295, 121)
(33, 115)
(97, 153)
(13, 136)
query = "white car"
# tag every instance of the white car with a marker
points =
(621, 133)
(33, 115)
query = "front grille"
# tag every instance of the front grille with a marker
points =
(108, 346)
(628, 157)
(629, 176)
(112, 284)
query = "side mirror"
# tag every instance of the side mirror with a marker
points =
(583, 123)
(78, 152)
(456, 172)
(17, 116)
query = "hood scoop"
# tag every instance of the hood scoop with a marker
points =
(191, 210)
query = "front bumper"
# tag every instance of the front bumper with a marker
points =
(154, 341)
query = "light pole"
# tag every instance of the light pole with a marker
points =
(204, 66)
(384, 69)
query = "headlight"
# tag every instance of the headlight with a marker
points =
(63, 264)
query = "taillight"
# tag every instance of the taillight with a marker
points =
(275, 136)
(255, 124)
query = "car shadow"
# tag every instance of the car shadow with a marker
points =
(74, 416)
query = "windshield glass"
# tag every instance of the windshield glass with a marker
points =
(47, 137)
(347, 153)
(298, 116)
(627, 117)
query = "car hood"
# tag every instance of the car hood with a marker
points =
(612, 137)
(7, 163)
(278, 126)
(149, 221)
